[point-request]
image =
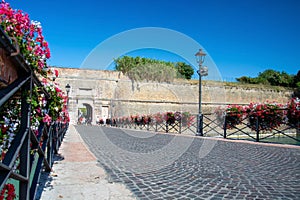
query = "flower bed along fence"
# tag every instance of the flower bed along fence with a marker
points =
(160, 122)
(258, 122)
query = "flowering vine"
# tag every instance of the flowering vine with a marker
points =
(9, 124)
(35, 51)
(57, 104)
(29, 36)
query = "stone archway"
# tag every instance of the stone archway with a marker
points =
(89, 112)
(85, 112)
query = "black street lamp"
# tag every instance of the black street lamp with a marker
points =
(111, 111)
(203, 71)
(68, 88)
(112, 104)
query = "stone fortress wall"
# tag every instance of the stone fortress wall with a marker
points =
(110, 93)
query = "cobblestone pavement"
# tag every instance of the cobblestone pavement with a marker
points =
(161, 166)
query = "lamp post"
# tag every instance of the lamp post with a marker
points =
(112, 104)
(203, 71)
(111, 112)
(68, 88)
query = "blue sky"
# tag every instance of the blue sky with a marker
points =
(243, 37)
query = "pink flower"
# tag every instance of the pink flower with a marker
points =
(47, 119)
(47, 53)
(44, 81)
(55, 72)
(57, 89)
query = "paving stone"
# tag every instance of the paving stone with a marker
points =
(231, 170)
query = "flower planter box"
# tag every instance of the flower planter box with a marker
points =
(8, 71)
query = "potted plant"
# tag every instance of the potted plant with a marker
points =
(158, 117)
(230, 116)
(185, 118)
(265, 116)
(293, 113)
(170, 118)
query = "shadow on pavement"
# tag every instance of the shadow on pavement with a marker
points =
(46, 178)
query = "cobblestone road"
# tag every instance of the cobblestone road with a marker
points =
(160, 166)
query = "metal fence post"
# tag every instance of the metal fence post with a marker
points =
(298, 130)
(180, 126)
(225, 128)
(167, 128)
(257, 129)
(25, 148)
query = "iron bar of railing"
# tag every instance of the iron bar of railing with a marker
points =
(24, 168)
(24, 154)
(257, 129)
(282, 132)
(50, 148)
(225, 129)
(180, 126)
(209, 125)
(40, 159)
(9, 91)
(19, 146)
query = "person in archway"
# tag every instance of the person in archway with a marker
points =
(89, 121)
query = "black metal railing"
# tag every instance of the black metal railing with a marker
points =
(213, 127)
(29, 152)
(175, 127)
(253, 128)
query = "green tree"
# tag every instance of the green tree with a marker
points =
(184, 70)
(297, 79)
(124, 64)
(158, 72)
(247, 79)
(297, 84)
(276, 78)
(270, 77)
(138, 68)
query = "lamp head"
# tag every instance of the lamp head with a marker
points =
(200, 55)
(68, 87)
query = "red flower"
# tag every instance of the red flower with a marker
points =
(8, 191)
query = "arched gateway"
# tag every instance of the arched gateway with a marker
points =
(85, 114)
